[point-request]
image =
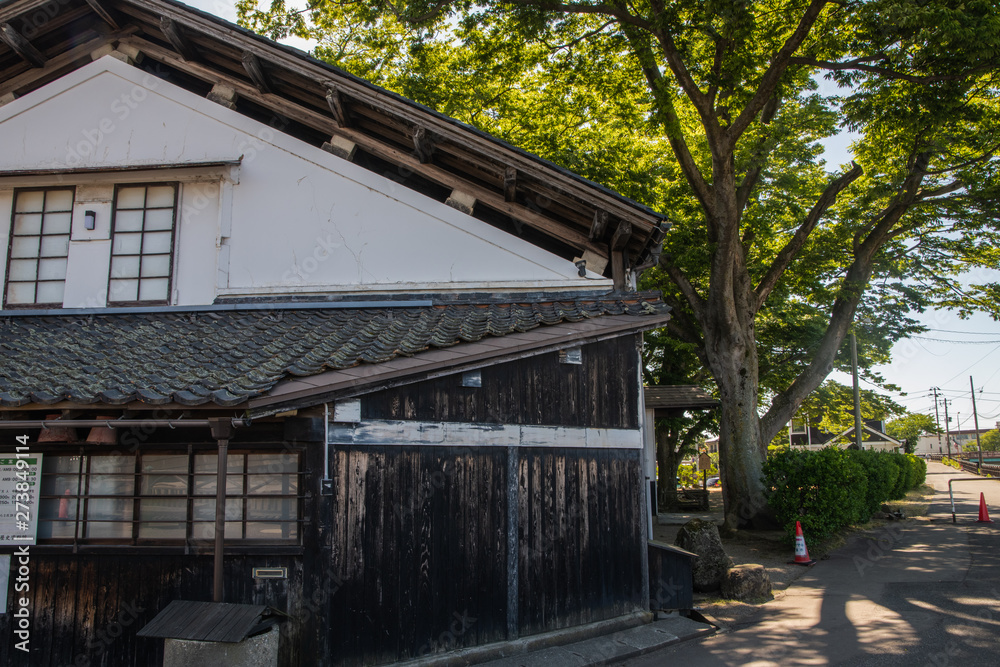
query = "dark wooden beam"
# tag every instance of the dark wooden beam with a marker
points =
(486, 196)
(621, 236)
(423, 144)
(510, 184)
(175, 35)
(481, 148)
(599, 225)
(336, 103)
(104, 13)
(619, 241)
(254, 69)
(21, 46)
(618, 270)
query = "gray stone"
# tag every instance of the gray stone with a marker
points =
(258, 651)
(746, 583)
(702, 538)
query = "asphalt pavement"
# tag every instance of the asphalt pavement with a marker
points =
(921, 592)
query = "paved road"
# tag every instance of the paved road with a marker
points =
(922, 593)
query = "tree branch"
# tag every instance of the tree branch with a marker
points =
(752, 177)
(842, 314)
(924, 195)
(675, 134)
(769, 82)
(574, 8)
(691, 295)
(794, 245)
(702, 102)
(860, 66)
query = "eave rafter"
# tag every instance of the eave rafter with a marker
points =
(353, 113)
(21, 45)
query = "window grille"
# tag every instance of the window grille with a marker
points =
(39, 247)
(168, 497)
(142, 243)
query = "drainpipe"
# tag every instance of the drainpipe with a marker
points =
(222, 431)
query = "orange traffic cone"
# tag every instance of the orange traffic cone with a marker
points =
(801, 553)
(984, 516)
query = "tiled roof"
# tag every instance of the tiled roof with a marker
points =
(229, 357)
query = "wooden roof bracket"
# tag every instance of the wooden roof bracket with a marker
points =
(21, 46)
(599, 225)
(510, 184)
(423, 144)
(335, 99)
(255, 70)
(172, 30)
(105, 13)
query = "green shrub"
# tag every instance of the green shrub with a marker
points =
(882, 473)
(918, 466)
(825, 490)
(906, 473)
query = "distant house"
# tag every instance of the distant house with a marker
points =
(933, 444)
(873, 436)
(279, 338)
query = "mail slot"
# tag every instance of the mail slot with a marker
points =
(270, 573)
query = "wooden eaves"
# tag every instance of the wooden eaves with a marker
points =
(336, 384)
(325, 105)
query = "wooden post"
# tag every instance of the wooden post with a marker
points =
(619, 241)
(222, 431)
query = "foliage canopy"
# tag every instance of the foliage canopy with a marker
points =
(714, 112)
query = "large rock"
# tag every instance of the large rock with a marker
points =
(702, 538)
(746, 583)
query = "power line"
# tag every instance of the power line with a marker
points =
(959, 342)
(961, 372)
(971, 333)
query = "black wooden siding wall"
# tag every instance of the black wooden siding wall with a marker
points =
(419, 536)
(412, 554)
(419, 546)
(602, 392)
(81, 605)
(86, 609)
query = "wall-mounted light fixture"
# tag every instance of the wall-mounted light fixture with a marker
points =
(90, 220)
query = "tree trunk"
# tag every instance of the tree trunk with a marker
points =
(740, 459)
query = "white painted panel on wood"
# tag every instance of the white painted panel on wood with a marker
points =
(87, 274)
(459, 434)
(196, 244)
(302, 219)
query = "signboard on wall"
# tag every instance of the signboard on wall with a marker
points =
(20, 485)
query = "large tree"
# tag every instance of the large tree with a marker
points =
(710, 111)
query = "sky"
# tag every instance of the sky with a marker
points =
(944, 357)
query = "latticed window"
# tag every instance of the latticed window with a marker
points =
(165, 497)
(39, 247)
(142, 243)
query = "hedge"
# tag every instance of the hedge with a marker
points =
(831, 488)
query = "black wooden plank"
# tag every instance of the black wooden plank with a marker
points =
(539, 390)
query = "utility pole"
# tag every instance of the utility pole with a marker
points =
(857, 390)
(975, 421)
(947, 431)
(937, 417)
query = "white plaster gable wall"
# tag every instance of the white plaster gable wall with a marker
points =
(299, 219)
